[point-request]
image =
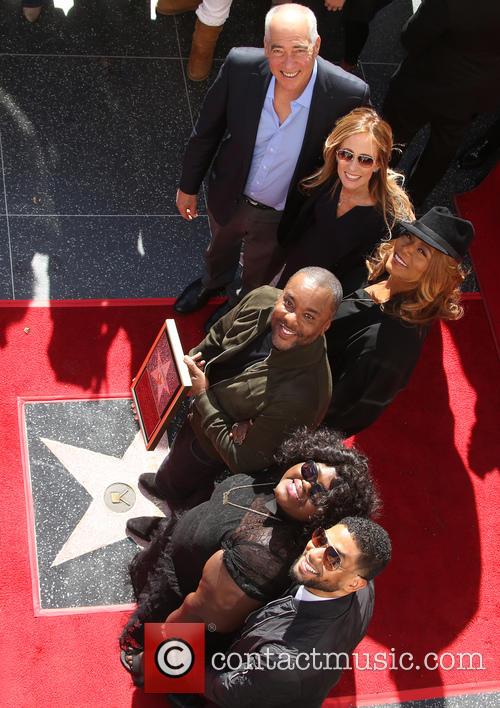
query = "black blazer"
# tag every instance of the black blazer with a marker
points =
(287, 630)
(228, 123)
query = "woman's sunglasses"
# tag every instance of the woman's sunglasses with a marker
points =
(309, 471)
(348, 156)
(332, 560)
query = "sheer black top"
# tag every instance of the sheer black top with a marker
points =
(258, 549)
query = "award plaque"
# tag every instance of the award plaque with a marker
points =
(159, 384)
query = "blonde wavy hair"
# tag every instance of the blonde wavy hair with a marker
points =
(385, 184)
(437, 295)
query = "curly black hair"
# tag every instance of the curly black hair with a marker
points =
(353, 491)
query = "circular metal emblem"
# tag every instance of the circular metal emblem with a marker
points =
(119, 497)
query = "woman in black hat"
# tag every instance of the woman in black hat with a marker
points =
(378, 332)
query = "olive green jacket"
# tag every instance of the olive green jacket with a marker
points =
(285, 390)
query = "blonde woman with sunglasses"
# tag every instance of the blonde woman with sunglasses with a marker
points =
(353, 201)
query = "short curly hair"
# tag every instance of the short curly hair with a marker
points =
(353, 491)
(374, 545)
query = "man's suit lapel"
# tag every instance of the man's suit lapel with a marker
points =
(255, 89)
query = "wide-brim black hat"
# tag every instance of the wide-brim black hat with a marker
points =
(442, 230)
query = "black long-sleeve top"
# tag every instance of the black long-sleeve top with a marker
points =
(371, 355)
(338, 243)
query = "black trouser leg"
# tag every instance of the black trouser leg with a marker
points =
(444, 140)
(356, 31)
(404, 121)
(186, 476)
(356, 34)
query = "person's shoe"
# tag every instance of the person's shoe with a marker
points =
(201, 56)
(477, 155)
(215, 317)
(193, 297)
(148, 483)
(144, 526)
(176, 7)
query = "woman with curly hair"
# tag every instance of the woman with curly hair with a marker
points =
(378, 332)
(353, 202)
(232, 554)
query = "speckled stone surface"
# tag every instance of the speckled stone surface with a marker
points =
(197, 90)
(383, 44)
(93, 136)
(5, 262)
(60, 501)
(95, 111)
(99, 27)
(94, 116)
(3, 210)
(479, 700)
(123, 256)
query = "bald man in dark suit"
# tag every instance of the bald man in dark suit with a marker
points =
(264, 120)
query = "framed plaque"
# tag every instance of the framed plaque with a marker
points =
(159, 384)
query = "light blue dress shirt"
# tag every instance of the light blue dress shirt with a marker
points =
(277, 147)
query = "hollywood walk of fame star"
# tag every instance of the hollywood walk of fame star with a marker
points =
(159, 377)
(101, 525)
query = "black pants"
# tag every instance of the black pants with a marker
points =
(446, 134)
(357, 27)
(186, 476)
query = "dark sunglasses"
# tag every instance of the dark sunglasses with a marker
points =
(309, 471)
(348, 156)
(332, 559)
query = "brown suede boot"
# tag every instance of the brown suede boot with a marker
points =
(176, 7)
(201, 56)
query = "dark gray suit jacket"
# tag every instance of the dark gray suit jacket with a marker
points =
(228, 123)
(287, 631)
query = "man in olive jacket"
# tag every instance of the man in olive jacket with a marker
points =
(261, 372)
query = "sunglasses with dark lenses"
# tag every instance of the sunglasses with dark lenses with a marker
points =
(332, 559)
(309, 471)
(348, 156)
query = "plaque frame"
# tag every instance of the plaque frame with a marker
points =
(152, 432)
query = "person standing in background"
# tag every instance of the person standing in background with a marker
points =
(451, 73)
